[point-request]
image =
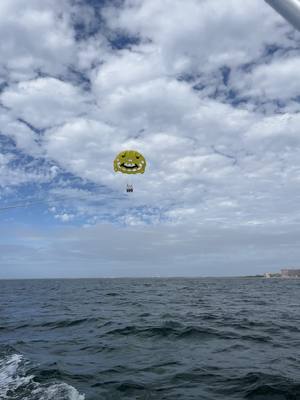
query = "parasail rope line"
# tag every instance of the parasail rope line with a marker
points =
(21, 205)
(31, 203)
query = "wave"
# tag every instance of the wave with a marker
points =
(55, 324)
(262, 386)
(176, 330)
(16, 384)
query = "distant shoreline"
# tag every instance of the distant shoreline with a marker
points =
(135, 277)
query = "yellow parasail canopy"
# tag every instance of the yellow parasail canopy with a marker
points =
(130, 162)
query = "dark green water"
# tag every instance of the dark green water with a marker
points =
(158, 339)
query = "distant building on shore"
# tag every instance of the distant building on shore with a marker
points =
(272, 275)
(290, 273)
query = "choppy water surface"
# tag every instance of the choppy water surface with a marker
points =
(150, 339)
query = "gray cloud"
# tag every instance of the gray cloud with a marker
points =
(185, 250)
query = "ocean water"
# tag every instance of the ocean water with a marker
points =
(204, 339)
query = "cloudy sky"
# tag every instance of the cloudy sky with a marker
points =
(207, 90)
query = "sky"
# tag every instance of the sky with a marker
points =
(207, 90)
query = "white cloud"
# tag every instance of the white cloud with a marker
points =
(41, 40)
(127, 69)
(65, 217)
(200, 35)
(84, 147)
(45, 102)
(277, 80)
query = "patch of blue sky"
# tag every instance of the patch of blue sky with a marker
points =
(7, 144)
(272, 49)
(33, 214)
(86, 28)
(83, 31)
(98, 3)
(297, 99)
(80, 78)
(3, 85)
(225, 70)
(30, 126)
(51, 211)
(64, 191)
(120, 41)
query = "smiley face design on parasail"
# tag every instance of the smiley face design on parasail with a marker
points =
(130, 162)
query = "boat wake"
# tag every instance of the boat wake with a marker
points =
(16, 384)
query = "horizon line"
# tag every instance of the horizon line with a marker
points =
(135, 277)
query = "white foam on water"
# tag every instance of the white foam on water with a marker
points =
(10, 380)
(13, 377)
(56, 391)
